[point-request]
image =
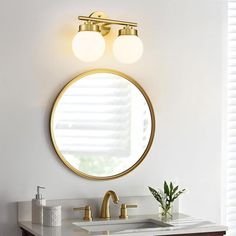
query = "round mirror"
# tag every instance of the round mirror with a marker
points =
(102, 124)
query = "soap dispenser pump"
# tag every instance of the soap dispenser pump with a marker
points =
(37, 207)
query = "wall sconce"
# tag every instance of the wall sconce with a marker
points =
(89, 45)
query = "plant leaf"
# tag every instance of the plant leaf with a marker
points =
(156, 195)
(171, 187)
(171, 191)
(178, 194)
(166, 188)
(175, 189)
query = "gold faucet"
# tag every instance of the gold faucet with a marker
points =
(105, 210)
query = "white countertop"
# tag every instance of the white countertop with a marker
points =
(181, 224)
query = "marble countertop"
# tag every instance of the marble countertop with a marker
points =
(180, 224)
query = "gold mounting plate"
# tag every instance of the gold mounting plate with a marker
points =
(104, 28)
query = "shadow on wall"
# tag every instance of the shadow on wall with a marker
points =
(8, 215)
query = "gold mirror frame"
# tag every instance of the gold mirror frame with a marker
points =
(135, 83)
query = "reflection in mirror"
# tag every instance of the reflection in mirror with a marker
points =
(101, 124)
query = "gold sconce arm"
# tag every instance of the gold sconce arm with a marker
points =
(103, 22)
(107, 21)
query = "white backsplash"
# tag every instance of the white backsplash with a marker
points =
(146, 205)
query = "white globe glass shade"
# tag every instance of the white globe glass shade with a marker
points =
(128, 48)
(88, 46)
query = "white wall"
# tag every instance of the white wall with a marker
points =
(181, 70)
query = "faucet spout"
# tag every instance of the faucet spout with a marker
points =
(105, 209)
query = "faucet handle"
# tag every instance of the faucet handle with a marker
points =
(123, 210)
(87, 212)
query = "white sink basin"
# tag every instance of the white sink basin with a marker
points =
(121, 226)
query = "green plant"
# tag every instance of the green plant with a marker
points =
(166, 197)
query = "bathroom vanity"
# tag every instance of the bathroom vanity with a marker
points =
(143, 220)
(180, 225)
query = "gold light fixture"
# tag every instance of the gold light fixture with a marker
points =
(89, 45)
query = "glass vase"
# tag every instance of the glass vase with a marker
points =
(166, 212)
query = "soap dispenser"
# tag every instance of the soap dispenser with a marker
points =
(37, 207)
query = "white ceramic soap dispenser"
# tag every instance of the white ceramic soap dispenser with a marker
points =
(37, 207)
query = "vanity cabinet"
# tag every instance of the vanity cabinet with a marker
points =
(26, 233)
(204, 234)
